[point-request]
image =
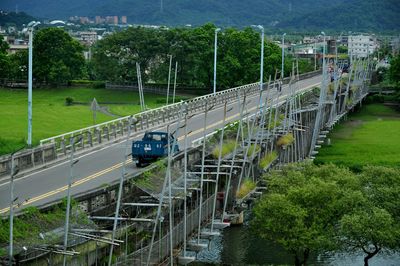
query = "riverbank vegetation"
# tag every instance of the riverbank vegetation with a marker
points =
(310, 208)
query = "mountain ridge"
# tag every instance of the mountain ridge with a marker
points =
(283, 14)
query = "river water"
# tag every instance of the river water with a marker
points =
(239, 246)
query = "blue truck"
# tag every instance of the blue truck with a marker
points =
(153, 146)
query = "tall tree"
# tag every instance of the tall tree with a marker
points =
(5, 63)
(394, 70)
(57, 57)
(321, 208)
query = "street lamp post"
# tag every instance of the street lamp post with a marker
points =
(169, 76)
(323, 51)
(31, 26)
(68, 209)
(283, 55)
(261, 60)
(215, 58)
(315, 54)
(13, 173)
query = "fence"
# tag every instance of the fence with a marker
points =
(100, 134)
(161, 247)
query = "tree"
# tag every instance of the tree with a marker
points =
(5, 63)
(57, 57)
(374, 227)
(342, 49)
(394, 70)
(115, 56)
(302, 207)
(370, 230)
(312, 208)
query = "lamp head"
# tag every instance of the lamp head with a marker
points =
(217, 29)
(33, 24)
(284, 34)
(258, 27)
(323, 33)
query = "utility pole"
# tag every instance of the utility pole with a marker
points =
(13, 173)
(261, 60)
(31, 27)
(283, 55)
(215, 58)
(169, 76)
(176, 72)
(67, 211)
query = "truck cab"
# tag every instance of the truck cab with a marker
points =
(154, 145)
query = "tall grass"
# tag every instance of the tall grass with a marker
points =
(253, 149)
(285, 140)
(268, 158)
(227, 148)
(245, 188)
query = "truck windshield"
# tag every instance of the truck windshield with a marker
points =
(156, 137)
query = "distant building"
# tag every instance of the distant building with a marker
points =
(344, 40)
(109, 20)
(99, 20)
(124, 20)
(84, 20)
(115, 20)
(395, 44)
(308, 40)
(362, 45)
(331, 46)
(86, 37)
(14, 48)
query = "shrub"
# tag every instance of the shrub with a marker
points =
(285, 140)
(253, 149)
(378, 98)
(245, 188)
(268, 158)
(69, 101)
(227, 148)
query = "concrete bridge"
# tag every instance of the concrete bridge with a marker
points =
(194, 195)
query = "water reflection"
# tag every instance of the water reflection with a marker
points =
(238, 246)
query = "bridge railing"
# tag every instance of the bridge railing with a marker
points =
(59, 146)
(161, 247)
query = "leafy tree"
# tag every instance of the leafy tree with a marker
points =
(375, 227)
(19, 65)
(57, 56)
(238, 56)
(5, 63)
(342, 49)
(370, 230)
(394, 70)
(301, 208)
(312, 208)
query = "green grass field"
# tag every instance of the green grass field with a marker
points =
(370, 136)
(52, 117)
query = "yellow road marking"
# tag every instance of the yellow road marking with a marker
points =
(64, 188)
(114, 167)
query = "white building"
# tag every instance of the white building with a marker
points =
(362, 45)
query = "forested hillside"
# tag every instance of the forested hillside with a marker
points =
(274, 14)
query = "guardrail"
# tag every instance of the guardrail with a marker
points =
(113, 130)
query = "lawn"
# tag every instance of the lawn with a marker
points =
(369, 136)
(52, 117)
